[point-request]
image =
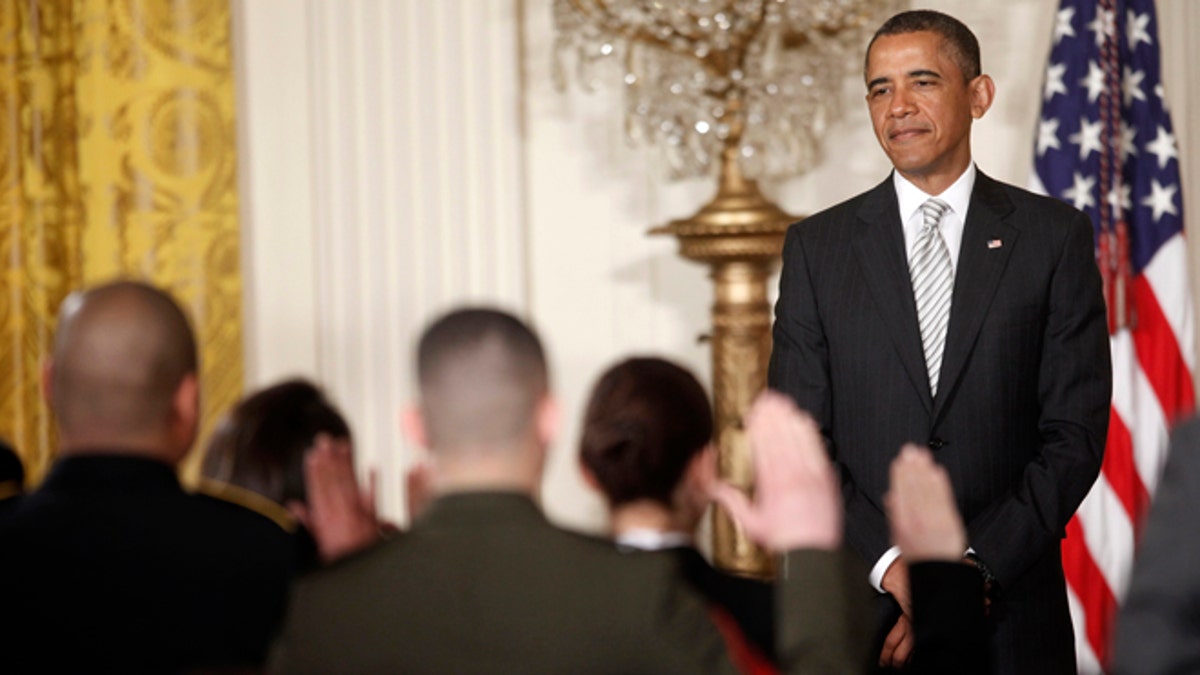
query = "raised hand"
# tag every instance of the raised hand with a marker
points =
(920, 505)
(341, 516)
(797, 500)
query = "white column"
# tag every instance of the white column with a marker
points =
(381, 184)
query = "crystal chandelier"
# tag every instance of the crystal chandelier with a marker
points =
(761, 77)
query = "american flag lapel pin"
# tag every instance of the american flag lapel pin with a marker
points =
(995, 243)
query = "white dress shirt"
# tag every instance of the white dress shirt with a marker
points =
(911, 197)
(646, 539)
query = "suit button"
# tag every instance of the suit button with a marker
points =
(937, 443)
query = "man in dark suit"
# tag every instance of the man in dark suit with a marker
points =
(482, 583)
(110, 566)
(945, 308)
(1158, 630)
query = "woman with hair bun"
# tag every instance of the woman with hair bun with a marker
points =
(647, 447)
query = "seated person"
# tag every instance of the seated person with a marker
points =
(256, 455)
(647, 447)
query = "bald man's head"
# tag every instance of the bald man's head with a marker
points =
(482, 374)
(121, 354)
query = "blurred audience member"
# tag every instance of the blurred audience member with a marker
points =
(647, 446)
(1158, 629)
(483, 583)
(110, 566)
(256, 455)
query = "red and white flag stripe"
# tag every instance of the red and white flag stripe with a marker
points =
(1152, 386)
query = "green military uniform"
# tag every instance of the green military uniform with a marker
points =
(484, 584)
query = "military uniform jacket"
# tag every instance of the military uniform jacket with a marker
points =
(484, 584)
(111, 567)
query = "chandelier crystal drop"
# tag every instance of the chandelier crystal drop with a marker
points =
(762, 76)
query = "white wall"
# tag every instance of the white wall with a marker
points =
(402, 156)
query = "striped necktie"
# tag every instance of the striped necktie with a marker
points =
(933, 284)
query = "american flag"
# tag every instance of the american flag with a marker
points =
(1105, 144)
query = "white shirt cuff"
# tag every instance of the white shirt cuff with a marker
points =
(881, 567)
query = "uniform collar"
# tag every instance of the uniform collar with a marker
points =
(646, 539)
(113, 472)
(479, 507)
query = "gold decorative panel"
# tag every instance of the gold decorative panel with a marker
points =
(40, 209)
(118, 159)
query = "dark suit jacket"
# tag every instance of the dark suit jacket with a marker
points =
(111, 567)
(1158, 629)
(1021, 413)
(482, 583)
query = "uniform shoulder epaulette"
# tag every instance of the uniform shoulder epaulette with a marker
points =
(10, 488)
(249, 499)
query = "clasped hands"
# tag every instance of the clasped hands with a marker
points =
(798, 503)
(925, 526)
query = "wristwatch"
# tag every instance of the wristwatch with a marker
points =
(989, 579)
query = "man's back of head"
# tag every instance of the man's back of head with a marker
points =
(484, 404)
(123, 375)
(119, 568)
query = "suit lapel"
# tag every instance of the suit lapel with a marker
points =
(986, 245)
(879, 245)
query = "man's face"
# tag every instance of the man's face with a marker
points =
(921, 106)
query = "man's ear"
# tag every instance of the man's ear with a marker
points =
(412, 423)
(702, 468)
(589, 478)
(982, 92)
(546, 419)
(185, 412)
(48, 382)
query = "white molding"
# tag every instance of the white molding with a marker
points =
(382, 183)
(274, 188)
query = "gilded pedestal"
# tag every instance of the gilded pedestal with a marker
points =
(739, 235)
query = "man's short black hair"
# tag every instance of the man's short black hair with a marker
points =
(964, 47)
(482, 373)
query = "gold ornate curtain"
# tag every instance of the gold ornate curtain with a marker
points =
(117, 158)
